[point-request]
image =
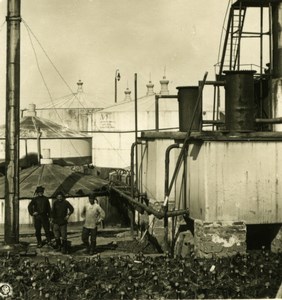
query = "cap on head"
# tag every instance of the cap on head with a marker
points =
(92, 196)
(60, 193)
(39, 189)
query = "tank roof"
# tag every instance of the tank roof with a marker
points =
(145, 104)
(29, 126)
(77, 100)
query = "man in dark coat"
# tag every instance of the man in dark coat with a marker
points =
(61, 212)
(39, 208)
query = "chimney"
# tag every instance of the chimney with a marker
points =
(46, 160)
(31, 111)
(164, 86)
(150, 89)
(127, 94)
(79, 86)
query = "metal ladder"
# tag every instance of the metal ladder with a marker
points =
(230, 58)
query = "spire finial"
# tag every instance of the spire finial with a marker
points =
(150, 87)
(79, 86)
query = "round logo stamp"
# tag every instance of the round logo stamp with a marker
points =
(5, 290)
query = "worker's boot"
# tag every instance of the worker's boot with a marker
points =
(64, 246)
(87, 247)
(39, 241)
(58, 245)
(48, 239)
(92, 248)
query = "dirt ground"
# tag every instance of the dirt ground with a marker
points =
(111, 241)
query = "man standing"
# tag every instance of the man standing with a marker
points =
(93, 215)
(61, 212)
(39, 208)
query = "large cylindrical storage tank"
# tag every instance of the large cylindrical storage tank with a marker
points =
(187, 100)
(239, 101)
(66, 146)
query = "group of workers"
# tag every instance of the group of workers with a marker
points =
(54, 220)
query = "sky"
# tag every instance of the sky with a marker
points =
(89, 40)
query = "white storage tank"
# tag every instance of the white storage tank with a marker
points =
(67, 146)
(73, 111)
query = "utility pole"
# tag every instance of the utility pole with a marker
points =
(117, 78)
(11, 233)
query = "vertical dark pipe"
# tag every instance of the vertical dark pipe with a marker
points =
(157, 112)
(238, 54)
(132, 168)
(261, 65)
(277, 40)
(136, 129)
(167, 160)
(130, 210)
(11, 231)
(239, 101)
(115, 90)
(270, 38)
(26, 156)
(214, 104)
(38, 145)
(167, 152)
(261, 39)
(132, 214)
(185, 171)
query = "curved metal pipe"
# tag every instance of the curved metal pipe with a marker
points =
(167, 153)
(132, 182)
(132, 165)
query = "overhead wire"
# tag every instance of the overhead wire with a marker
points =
(53, 65)
(2, 25)
(42, 76)
(30, 32)
(56, 69)
(37, 62)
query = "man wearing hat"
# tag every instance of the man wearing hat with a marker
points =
(93, 214)
(39, 208)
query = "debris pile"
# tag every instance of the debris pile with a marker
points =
(254, 275)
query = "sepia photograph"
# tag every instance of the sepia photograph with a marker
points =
(140, 149)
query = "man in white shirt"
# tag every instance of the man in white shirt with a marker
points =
(93, 214)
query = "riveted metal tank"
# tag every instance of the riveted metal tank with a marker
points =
(187, 99)
(239, 101)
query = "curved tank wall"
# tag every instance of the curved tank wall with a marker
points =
(66, 146)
